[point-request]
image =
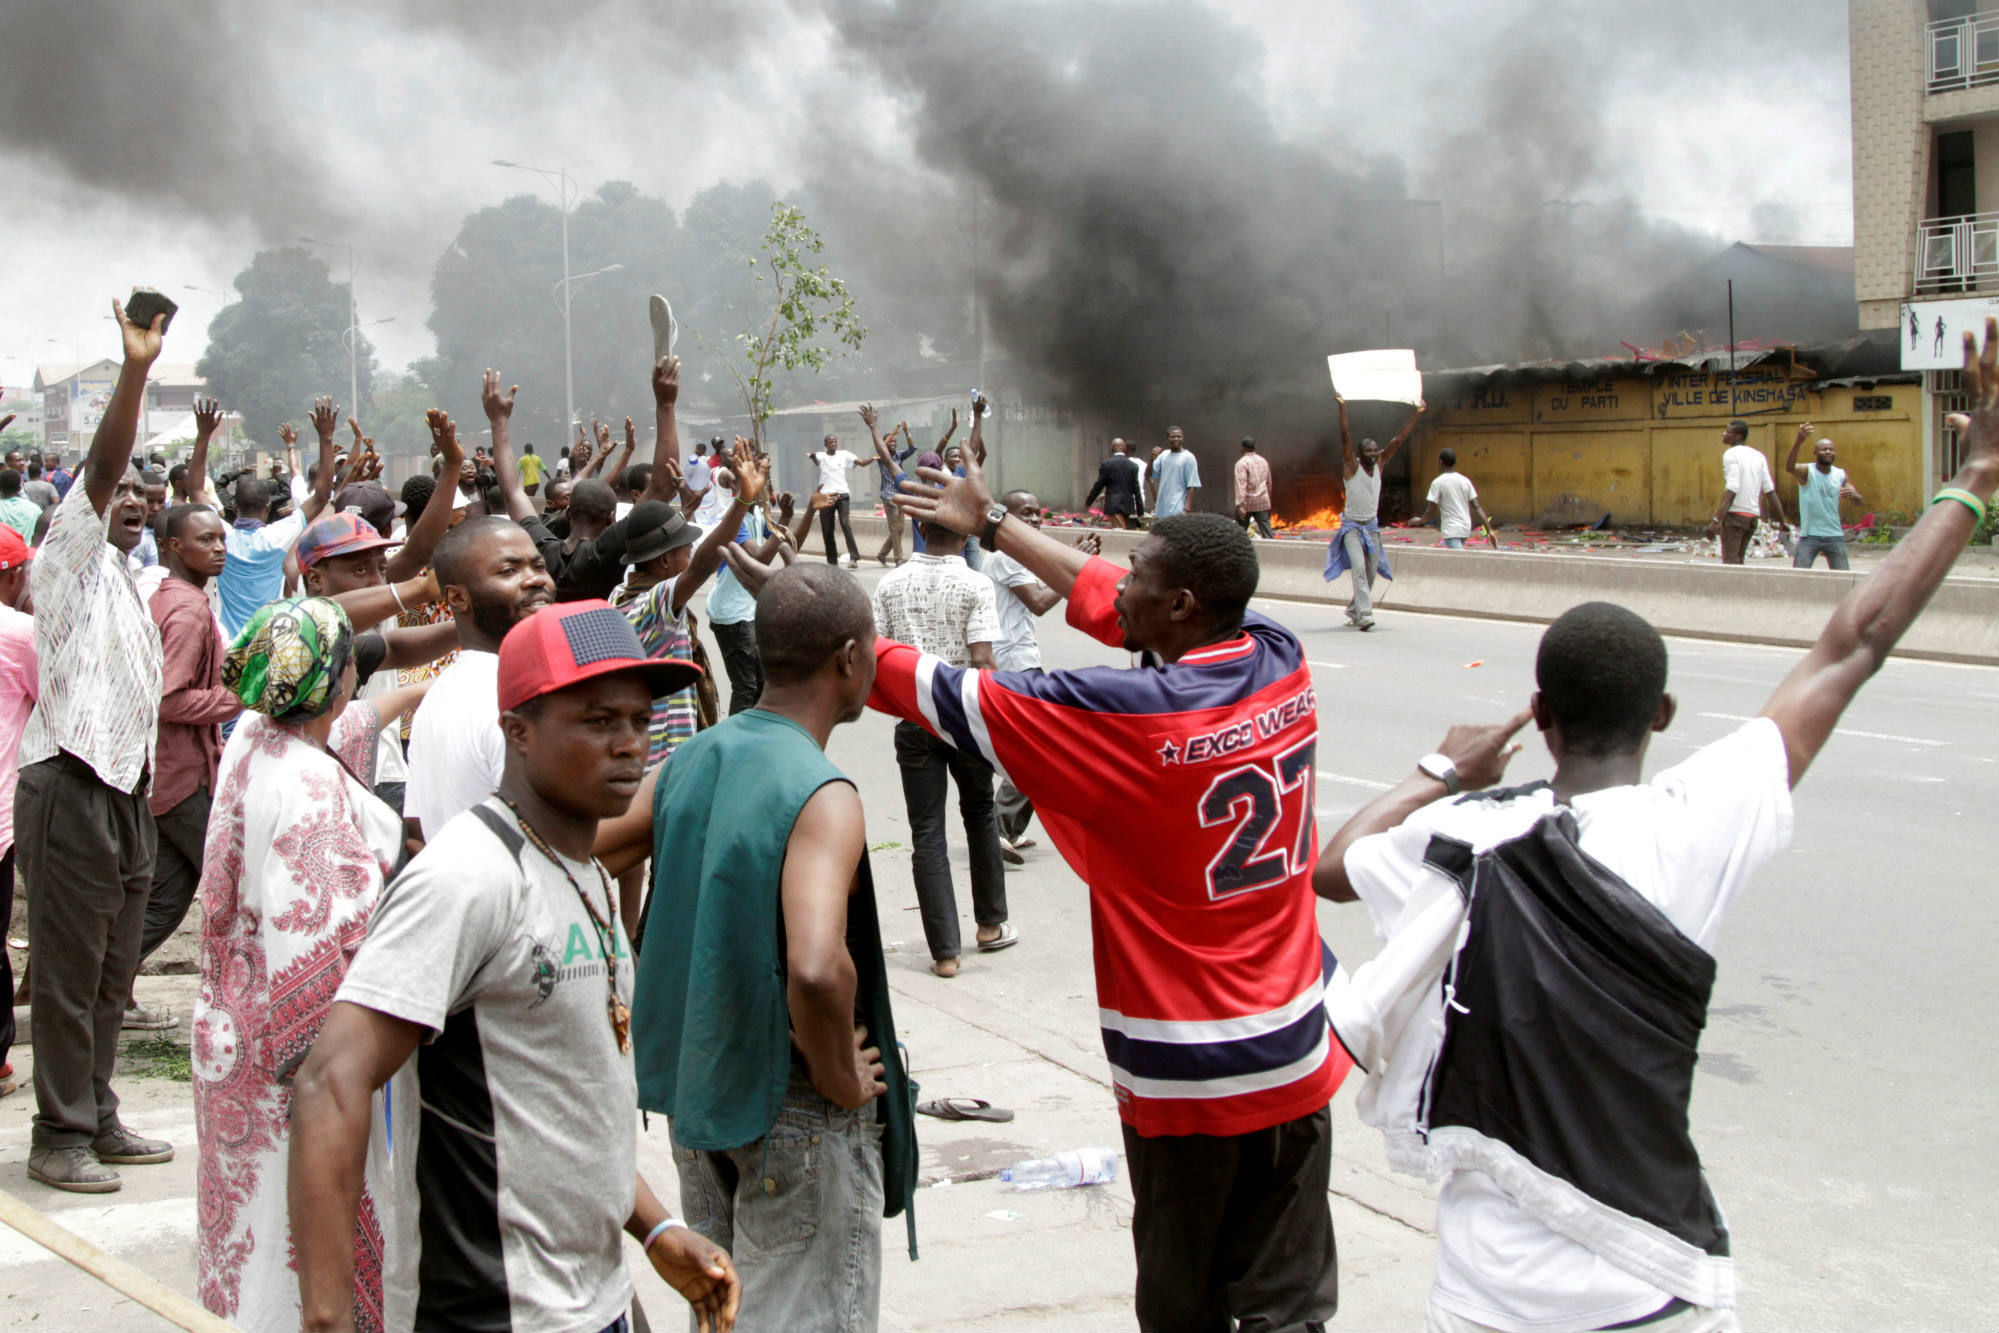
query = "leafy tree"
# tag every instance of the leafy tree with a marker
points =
(806, 315)
(271, 353)
(495, 303)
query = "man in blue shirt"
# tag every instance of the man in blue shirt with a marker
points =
(60, 477)
(1821, 487)
(254, 573)
(1174, 473)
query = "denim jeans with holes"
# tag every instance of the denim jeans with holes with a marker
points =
(800, 1210)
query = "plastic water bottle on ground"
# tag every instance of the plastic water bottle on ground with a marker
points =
(1065, 1170)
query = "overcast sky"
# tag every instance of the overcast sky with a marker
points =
(167, 150)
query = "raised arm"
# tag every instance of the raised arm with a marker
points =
(325, 420)
(499, 413)
(1791, 464)
(428, 528)
(111, 447)
(664, 484)
(207, 420)
(1401, 436)
(1349, 460)
(752, 475)
(1872, 618)
(949, 431)
(356, 1052)
(372, 606)
(960, 504)
(975, 443)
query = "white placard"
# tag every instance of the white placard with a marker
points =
(1932, 332)
(1387, 375)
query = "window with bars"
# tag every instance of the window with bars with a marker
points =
(1947, 395)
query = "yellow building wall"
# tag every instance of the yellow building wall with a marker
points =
(1648, 450)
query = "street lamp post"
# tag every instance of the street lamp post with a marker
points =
(353, 322)
(563, 190)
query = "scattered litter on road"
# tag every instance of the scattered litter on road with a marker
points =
(1065, 1170)
(1005, 1215)
(1479, 663)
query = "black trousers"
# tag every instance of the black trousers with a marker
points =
(7, 1032)
(176, 870)
(1235, 1231)
(86, 854)
(1260, 517)
(739, 658)
(840, 505)
(929, 766)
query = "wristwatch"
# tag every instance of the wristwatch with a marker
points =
(1440, 767)
(994, 516)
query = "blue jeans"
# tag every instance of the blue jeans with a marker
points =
(1809, 548)
(800, 1210)
(1455, 543)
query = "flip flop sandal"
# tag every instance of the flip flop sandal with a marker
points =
(965, 1108)
(1008, 937)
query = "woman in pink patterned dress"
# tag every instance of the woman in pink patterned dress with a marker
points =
(298, 851)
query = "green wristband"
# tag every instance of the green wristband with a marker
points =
(1963, 497)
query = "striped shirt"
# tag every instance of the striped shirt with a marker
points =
(675, 717)
(99, 651)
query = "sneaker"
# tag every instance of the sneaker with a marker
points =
(138, 1018)
(1011, 854)
(665, 329)
(846, 562)
(1364, 625)
(75, 1169)
(125, 1148)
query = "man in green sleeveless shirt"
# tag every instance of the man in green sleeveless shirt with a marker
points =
(761, 1009)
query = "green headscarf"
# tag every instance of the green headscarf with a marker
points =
(288, 660)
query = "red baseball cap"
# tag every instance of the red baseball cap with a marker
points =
(14, 552)
(341, 534)
(568, 642)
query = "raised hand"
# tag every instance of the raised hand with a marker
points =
(498, 408)
(142, 346)
(289, 435)
(787, 505)
(582, 441)
(360, 440)
(670, 469)
(207, 417)
(752, 474)
(868, 415)
(666, 381)
(325, 417)
(8, 420)
(444, 443)
(959, 503)
(603, 433)
(1979, 427)
(631, 436)
(821, 500)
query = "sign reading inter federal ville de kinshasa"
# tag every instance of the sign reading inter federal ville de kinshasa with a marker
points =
(1933, 331)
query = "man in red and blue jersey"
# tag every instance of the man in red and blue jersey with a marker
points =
(1210, 968)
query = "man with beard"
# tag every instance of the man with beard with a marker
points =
(492, 579)
(85, 837)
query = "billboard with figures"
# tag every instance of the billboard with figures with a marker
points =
(1932, 332)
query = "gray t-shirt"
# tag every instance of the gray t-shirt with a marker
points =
(1363, 495)
(526, 1152)
(1017, 648)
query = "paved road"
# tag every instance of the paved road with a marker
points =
(1845, 1077)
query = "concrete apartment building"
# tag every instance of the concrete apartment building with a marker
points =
(1925, 93)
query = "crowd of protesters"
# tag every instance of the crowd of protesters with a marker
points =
(484, 867)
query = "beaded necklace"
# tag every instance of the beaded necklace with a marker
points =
(607, 932)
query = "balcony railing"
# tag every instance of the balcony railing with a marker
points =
(1958, 254)
(1964, 53)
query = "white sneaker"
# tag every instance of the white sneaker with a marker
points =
(846, 562)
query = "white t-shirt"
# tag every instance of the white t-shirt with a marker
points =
(1745, 474)
(1452, 493)
(1017, 648)
(1687, 841)
(833, 470)
(456, 753)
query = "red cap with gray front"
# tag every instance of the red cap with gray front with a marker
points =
(569, 642)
